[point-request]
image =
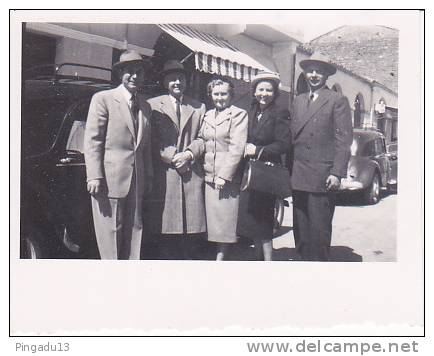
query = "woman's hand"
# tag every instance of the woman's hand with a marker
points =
(250, 150)
(219, 183)
(182, 158)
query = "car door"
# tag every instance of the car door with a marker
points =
(73, 198)
(382, 159)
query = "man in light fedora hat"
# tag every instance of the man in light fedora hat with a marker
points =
(321, 131)
(117, 150)
(176, 209)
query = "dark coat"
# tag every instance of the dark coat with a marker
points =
(176, 205)
(321, 136)
(272, 133)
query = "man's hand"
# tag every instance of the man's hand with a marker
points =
(250, 150)
(333, 182)
(95, 187)
(219, 183)
(181, 159)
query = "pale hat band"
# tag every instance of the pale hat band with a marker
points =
(266, 76)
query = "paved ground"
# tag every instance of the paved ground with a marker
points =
(360, 232)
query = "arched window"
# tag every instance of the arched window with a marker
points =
(302, 86)
(337, 88)
(359, 110)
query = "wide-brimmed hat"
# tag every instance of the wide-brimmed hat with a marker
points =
(129, 57)
(267, 76)
(319, 59)
(172, 65)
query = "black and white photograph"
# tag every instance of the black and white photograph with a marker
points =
(258, 151)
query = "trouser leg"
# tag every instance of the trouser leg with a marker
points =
(321, 207)
(313, 216)
(132, 225)
(107, 230)
(118, 225)
(301, 223)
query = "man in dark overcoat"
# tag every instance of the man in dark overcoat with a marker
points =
(321, 131)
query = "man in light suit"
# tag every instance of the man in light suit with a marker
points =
(117, 150)
(176, 207)
(321, 131)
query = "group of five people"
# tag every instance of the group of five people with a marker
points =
(167, 167)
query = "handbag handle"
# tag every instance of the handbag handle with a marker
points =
(260, 153)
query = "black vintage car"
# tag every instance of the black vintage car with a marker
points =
(56, 218)
(370, 169)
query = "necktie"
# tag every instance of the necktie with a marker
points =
(311, 96)
(134, 107)
(178, 112)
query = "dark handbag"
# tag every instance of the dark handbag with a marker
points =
(266, 177)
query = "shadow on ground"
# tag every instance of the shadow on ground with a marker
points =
(200, 249)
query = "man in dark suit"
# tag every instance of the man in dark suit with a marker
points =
(321, 131)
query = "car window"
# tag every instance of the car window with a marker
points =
(393, 147)
(380, 148)
(369, 149)
(41, 120)
(76, 135)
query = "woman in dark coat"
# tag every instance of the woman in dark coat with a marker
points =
(268, 134)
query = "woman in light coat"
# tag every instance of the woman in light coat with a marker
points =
(221, 141)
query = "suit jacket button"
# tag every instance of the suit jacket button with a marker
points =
(308, 147)
(311, 133)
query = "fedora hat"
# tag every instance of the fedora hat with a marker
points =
(319, 59)
(265, 75)
(129, 57)
(172, 65)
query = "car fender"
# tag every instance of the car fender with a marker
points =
(365, 168)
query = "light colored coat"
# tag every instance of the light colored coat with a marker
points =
(111, 149)
(222, 140)
(176, 205)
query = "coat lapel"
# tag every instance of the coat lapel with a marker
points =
(309, 110)
(124, 110)
(186, 112)
(142, 122)
(209, 117)
(223, 115)
(166, 107)
(265, 117)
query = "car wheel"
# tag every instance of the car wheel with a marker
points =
(279, 212)
(372, 193)
(30, 248)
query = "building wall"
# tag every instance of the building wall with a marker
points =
(351, 87)
(391, 99)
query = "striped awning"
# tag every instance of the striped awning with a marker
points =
(215, 55)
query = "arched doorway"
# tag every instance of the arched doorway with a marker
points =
(302, 86)
(337, 88)
(359, 110)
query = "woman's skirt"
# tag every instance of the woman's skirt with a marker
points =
(222, 212)
(256, 215)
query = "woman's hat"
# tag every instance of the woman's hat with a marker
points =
(266, 75)
(129, 57)
(319, 59)
(172, 65)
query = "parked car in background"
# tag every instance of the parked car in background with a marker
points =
(56, 217)
(392, 150)
(369, 168)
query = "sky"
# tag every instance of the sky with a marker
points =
(311, 24)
